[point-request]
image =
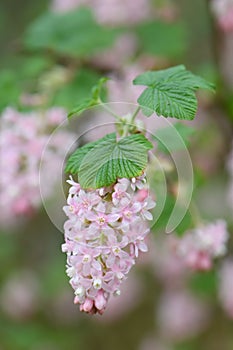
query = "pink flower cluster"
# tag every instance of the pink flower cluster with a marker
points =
(200, 246)
(23, 138)
(223, 10)
(104, 233)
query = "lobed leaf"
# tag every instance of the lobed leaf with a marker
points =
(101, 163)
(171, 92)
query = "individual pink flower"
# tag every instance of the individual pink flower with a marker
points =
(116, 251)
(128, 214)
(101, 219)
(85, 259)
(137, 182)
(120, 193)
(147, 206)
(103, 242)
(138, 245)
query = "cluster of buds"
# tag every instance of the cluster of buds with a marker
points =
(200, 246)
(105, 230)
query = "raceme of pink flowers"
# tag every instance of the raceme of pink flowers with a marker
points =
(23, 138)
(200, 246)
(104, 233)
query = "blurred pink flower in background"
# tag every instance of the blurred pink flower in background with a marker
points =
(180, 315)
(116, 12)
(19, 296)
(200, 246)
(223, 10)
(23, 139)
(111, 12)
(226, 287)
(122, 51)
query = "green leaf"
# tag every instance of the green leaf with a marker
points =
(88, 103)
(162, 39)
(75, 160)
(97, 89)
(171, 92)
(101, 163)
(175, 137)
(75, 34)
(82, 107)
(10, 89)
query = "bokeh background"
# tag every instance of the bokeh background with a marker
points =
(52, 53)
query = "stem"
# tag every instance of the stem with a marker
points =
(127, 126)
(104, 105)
(137, 110)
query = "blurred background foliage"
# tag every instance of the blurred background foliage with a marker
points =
(57, 57)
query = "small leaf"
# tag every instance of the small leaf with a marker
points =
(88, 103)
(101, 163)
(82, 107)
(97, 89)
(171, 92)
(174, 137)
